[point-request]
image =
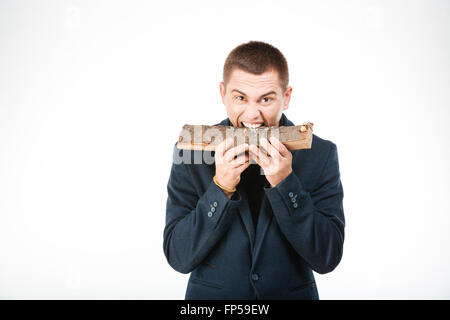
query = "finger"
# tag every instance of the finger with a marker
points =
(259, 149)
(270, 149)
(260, 157)
(279, 146)
(233, 152)
(243, 166)
(222, 147)
(240, 160)
(255, 157)
(229, 144)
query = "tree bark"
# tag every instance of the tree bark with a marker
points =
(202, 137)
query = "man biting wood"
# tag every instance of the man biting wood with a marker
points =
(262, 217)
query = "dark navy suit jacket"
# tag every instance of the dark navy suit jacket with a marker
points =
(300, 228)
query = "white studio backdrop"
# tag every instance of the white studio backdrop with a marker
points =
(93, 95)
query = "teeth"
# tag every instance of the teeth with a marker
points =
(252, 126)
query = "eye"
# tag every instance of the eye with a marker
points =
(269, 99)
(238, 98)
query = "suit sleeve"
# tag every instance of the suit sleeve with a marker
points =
(194, 224)
(313, 222)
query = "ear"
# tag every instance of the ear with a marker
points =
(287, 97)
(222, 91)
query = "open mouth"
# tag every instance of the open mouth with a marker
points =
(251, 125)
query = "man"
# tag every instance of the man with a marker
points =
(246, 235)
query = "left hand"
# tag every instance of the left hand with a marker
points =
(276, 163)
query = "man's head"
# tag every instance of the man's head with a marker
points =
(255, 82)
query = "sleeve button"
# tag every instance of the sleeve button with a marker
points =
(295, 205)
(293, 200)
(290, 194)
(210, 214)
(213, 209)
(215, 204)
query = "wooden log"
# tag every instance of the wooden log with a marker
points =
(202, 137)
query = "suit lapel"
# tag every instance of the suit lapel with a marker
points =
(246, 217)
(264, 219)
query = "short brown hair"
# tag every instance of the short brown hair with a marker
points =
(257, 57)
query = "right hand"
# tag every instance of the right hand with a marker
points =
(229, 168)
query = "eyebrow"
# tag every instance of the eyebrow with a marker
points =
(266, 94)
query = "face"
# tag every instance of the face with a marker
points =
(253, 100)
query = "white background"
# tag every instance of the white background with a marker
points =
(93, 95)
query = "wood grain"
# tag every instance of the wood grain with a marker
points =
(202, 137)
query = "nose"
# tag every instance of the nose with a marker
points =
(252, 112)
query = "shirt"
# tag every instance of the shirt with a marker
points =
(253, 182)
